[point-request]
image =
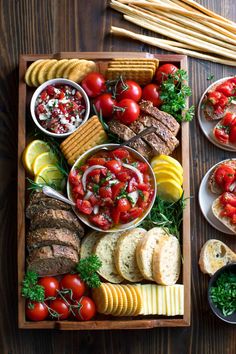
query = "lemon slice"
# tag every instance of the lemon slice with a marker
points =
(49, 174)
(168, 159)
(165, 167)
(169, 189)
(46, 158)
(165, 174)
(31, 151)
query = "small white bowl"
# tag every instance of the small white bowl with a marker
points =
(56, 82)
(135, 222)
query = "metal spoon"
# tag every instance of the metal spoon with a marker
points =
(50, 192)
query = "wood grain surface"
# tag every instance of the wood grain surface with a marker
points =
(58, 25)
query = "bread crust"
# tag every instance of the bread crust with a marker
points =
(217, 209)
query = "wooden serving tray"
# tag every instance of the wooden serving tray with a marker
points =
(181, 153)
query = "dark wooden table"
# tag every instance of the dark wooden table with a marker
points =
(43, 26)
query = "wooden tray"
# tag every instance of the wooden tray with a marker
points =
(182, 153)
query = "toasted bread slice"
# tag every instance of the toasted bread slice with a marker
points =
(167, 260)
(125, 254)
(214, 187)
(214, 255)
(217, 209)
(145, 249)
(88, 243)
(104, 249)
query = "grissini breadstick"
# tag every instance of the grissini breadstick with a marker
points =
(155, 42)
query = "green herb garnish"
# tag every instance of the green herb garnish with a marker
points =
(96, 188)
(168, 215)
(87, 269)
(210, 77)
(30, 288)
(223, 294)
(174, 93)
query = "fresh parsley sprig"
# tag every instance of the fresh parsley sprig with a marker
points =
(30, 288)
(174, 92)
(87, 269)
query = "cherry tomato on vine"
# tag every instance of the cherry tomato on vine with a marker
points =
(151, 92)
(127, 111)
(129, 89)
(94, 84)
(51, 286)
(61, 308)
(73, 283)
(163, 71)
(105, 104)
(85, 309)
(36, 311)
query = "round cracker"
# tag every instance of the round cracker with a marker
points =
(100, 298)
(130, 301)
(53, 69)
(110, 299)
(120, 301)
(35, 72)
(42, 74)
(83, 68)
(63, 66)
(139, 300)
(134, 299)
(125, 301)
(69, 67)
(114, 296)
(29, 71)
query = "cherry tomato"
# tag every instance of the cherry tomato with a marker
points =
(127, 111)
(232, 134)
(116, 189)
(101, 221)
(227, 88)
(96, 161)
(163, 71)
(84, 206)
(228, 198)
(51, 286)
(105, 103)
(105, 192)
(61, 308)
(115, 215)
(123, 205)
(151, 92)
(221, 134)
(224, 176)
(120, 153)
(36, 311)
(75, 284)
(94, 84)
(114, 166)
(86, 309)
(129, 89)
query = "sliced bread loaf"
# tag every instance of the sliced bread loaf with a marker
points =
(214, 255)
(217, 209)
(125, 254)
(167, 260)
(145, 249)
(104, 248)
(88, 243)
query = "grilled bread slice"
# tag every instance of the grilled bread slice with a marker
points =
(52, 260)
(125, 254)
(167, 260)
(214, 187)
(214, 255)
(88, 243)
(145, 249)
(104, 249)
(51, 236)
(217, 209)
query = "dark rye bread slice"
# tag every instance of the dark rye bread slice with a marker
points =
(51, 236)
(57, 219)
(158, 145)
(125, 133)
(165, 118)
(52, 260)
(161, 130)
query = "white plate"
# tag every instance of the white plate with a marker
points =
(207, 126)
(206, 198)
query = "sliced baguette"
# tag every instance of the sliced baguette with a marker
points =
(217, 209)
(145, 249)
(214, 255)
(88, 243)
(214, 187)
(125, 254)
(167, 260)
(104, 249)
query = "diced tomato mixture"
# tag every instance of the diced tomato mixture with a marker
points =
(225, 131)
(225, 178)
(228, 204)
(222, 96)
(60, 108)
(112, 188)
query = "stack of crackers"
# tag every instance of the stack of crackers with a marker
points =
(140, 70)
(46, 69)
(89, 135)
(118, 300)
